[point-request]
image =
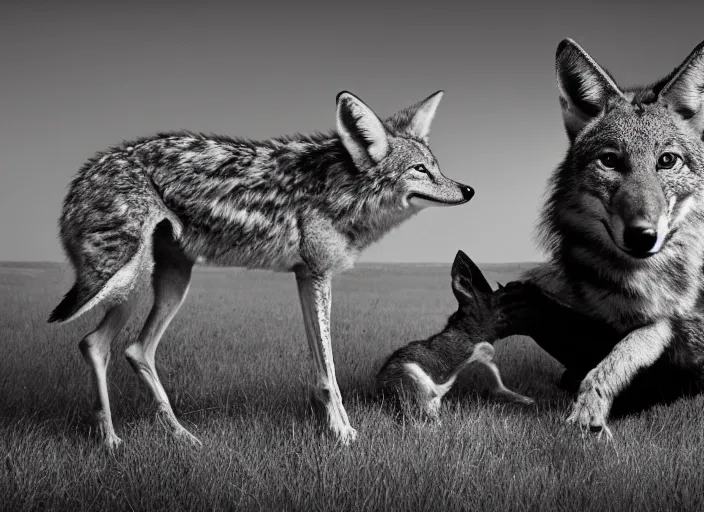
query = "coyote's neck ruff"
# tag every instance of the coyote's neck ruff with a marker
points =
(305, 204)
(593, 275)
(624, 221)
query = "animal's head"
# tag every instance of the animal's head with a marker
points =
(635, 165)
(395, 152)
(473, 294)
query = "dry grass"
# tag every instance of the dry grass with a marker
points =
(236, 366)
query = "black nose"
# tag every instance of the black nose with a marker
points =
(467, 192)
(639, 239)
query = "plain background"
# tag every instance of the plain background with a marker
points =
(78, 77)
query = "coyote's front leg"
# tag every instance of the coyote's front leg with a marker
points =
(315, 294)
(637, 350)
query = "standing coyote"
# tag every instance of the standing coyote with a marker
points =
(624, 221)
(422, 372)
(303, 204)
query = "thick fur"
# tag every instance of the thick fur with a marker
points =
(421, 373)
(240, 202)
(616, 179)
(308, 204)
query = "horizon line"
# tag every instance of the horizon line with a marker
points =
(375, 262)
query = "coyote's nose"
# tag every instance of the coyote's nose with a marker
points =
(640, 240)
(467, 192)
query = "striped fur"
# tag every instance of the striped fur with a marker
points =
(307, 204)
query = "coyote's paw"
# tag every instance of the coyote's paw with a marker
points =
(111, 442)
(346, 435)
(184, 437)
(591, 408)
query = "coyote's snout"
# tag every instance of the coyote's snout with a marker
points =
(638, 220)
(304, 204)
(428, 187)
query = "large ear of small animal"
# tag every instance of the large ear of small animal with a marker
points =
(467, 279)
(415, 120)
(586, 89)
(362, 132)
(685, 90)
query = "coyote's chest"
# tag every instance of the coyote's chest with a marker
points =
(626, 299)
(643, 298)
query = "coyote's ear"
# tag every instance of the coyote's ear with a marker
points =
(685, 90)
(416, 119)
(467, 279)
(586, 89)
(362, 132)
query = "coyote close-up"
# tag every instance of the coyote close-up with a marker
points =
(623, 222)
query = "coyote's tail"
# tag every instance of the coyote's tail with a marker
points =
(109, 239)
(70, 304)
(113, 279)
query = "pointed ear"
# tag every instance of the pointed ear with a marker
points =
(586, 89)
(362, 132)
(416, 119)
(467, 279)
(685, 90)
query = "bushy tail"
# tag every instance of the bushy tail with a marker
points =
(107, 229)
(111, 280)
(70, 304)
(110, 276)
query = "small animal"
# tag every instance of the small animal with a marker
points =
(419, 374)
(306, 204)
(624, 223)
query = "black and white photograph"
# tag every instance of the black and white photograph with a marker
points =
(351, 256)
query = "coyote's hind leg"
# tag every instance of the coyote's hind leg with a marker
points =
(484, 354)
(170, 280)
(95, 348)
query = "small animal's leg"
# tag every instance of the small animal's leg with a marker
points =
(315, 295)
(640, 349)
(421, 389)
(170, 280)
(95, 348)
(484, 354)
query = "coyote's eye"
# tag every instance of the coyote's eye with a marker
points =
(609, 160)
(667, 160)
(422, 169)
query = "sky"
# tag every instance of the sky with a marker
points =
(77, 77)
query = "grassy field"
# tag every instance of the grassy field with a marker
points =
(236, 367)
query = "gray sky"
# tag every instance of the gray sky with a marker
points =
(77, 77)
